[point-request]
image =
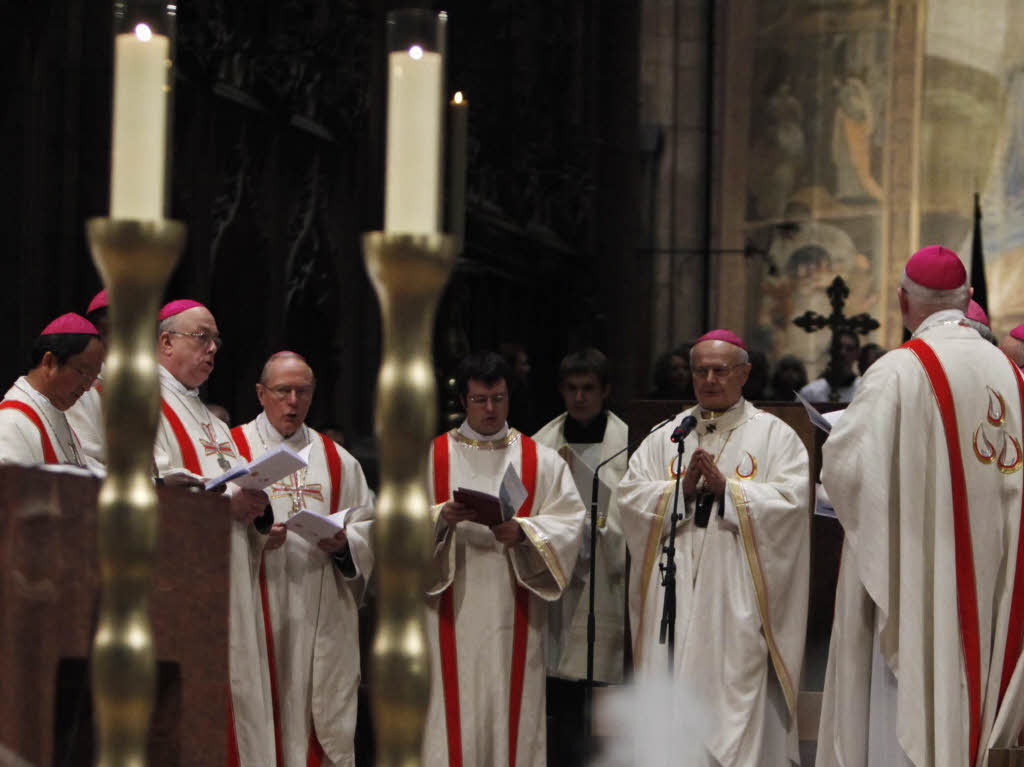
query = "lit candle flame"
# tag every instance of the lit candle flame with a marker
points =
(458, 97)
(416, 52)
(143, 32)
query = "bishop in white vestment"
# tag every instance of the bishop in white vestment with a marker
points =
(487, 603)
(742, 559)
(924, 472)
(192, 441)
(66, 358)
(311, 592)
(86, 415)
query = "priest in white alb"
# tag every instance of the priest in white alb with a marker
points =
(86, 415)
(742, 563)
(192, 443)
(490, 586)
(924, 472)
(310, 592)
(586, 435)
(66, 358)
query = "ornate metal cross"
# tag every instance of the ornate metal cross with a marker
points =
(212, 446)
(839, 323)
(295, 487)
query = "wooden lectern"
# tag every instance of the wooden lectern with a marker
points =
(48, 606)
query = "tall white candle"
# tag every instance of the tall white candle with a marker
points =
(413, 167)
(139, 147)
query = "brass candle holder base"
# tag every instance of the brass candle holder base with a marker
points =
(409, 273)
(135, 259)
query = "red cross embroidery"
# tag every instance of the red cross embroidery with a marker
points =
(291, 487)
(213, 447)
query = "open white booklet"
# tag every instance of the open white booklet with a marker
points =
(315, 527)
(274, 465)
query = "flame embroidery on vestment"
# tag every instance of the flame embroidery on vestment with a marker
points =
(747, 467)
(985, 456)
(997, 418)
(671, 467)
(1009, 467)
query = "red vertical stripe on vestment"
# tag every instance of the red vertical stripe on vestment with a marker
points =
(231, 757)
(272, 665)
(49, 454)
(446, 621)
(1015, 630)
(521, 627)
(315, 755)
(188, 450)
(966, 589)
(241, 443)
(333, 471)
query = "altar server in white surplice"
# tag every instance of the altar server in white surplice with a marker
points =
(66, 359)
(586, 435)
(311, 591)
(490, 586)
(924, 471)
(86, 415)
(192, 443)
(742, 559)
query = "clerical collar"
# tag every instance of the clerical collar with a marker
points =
(37, 397)
(167, 379)
(710, 421)
(470, 436)
(269, 434)
(944, 317)
(577, 433)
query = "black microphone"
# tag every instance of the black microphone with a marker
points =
(684, 428)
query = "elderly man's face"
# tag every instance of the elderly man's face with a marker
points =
(718, 374)
(188, 350)
(73, 378)
(286, 394)
(486, 406)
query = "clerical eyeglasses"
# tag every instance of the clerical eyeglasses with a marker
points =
(283, 391)
(480, 399)
(203, 337)
(719, 372)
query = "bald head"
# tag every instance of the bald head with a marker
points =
(285, 391)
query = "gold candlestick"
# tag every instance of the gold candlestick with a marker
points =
(135, 259)
(409, 273)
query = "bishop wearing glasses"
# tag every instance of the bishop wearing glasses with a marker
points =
(490, 586)
(66, 358)
(742, 545)
(311, 592)
(193, 443)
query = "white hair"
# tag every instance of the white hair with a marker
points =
(742, 357)
(983, 330)
(956, 298)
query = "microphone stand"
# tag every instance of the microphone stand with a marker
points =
(668, 573)
(588, 690)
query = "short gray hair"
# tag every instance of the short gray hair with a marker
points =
(956, 298)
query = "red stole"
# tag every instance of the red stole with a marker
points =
(49, 454)
(188, 450)
(966, 588)
(446, 614)
(314, 757)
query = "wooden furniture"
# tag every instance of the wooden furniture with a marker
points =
(48, 606)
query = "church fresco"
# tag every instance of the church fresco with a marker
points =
(814, 194)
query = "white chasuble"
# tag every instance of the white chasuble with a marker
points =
(567, 618)
(25, 418)
(487, 603)
(741, 583)
(86, 418)
(924, 471)
(312, 606)
(190, 438)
